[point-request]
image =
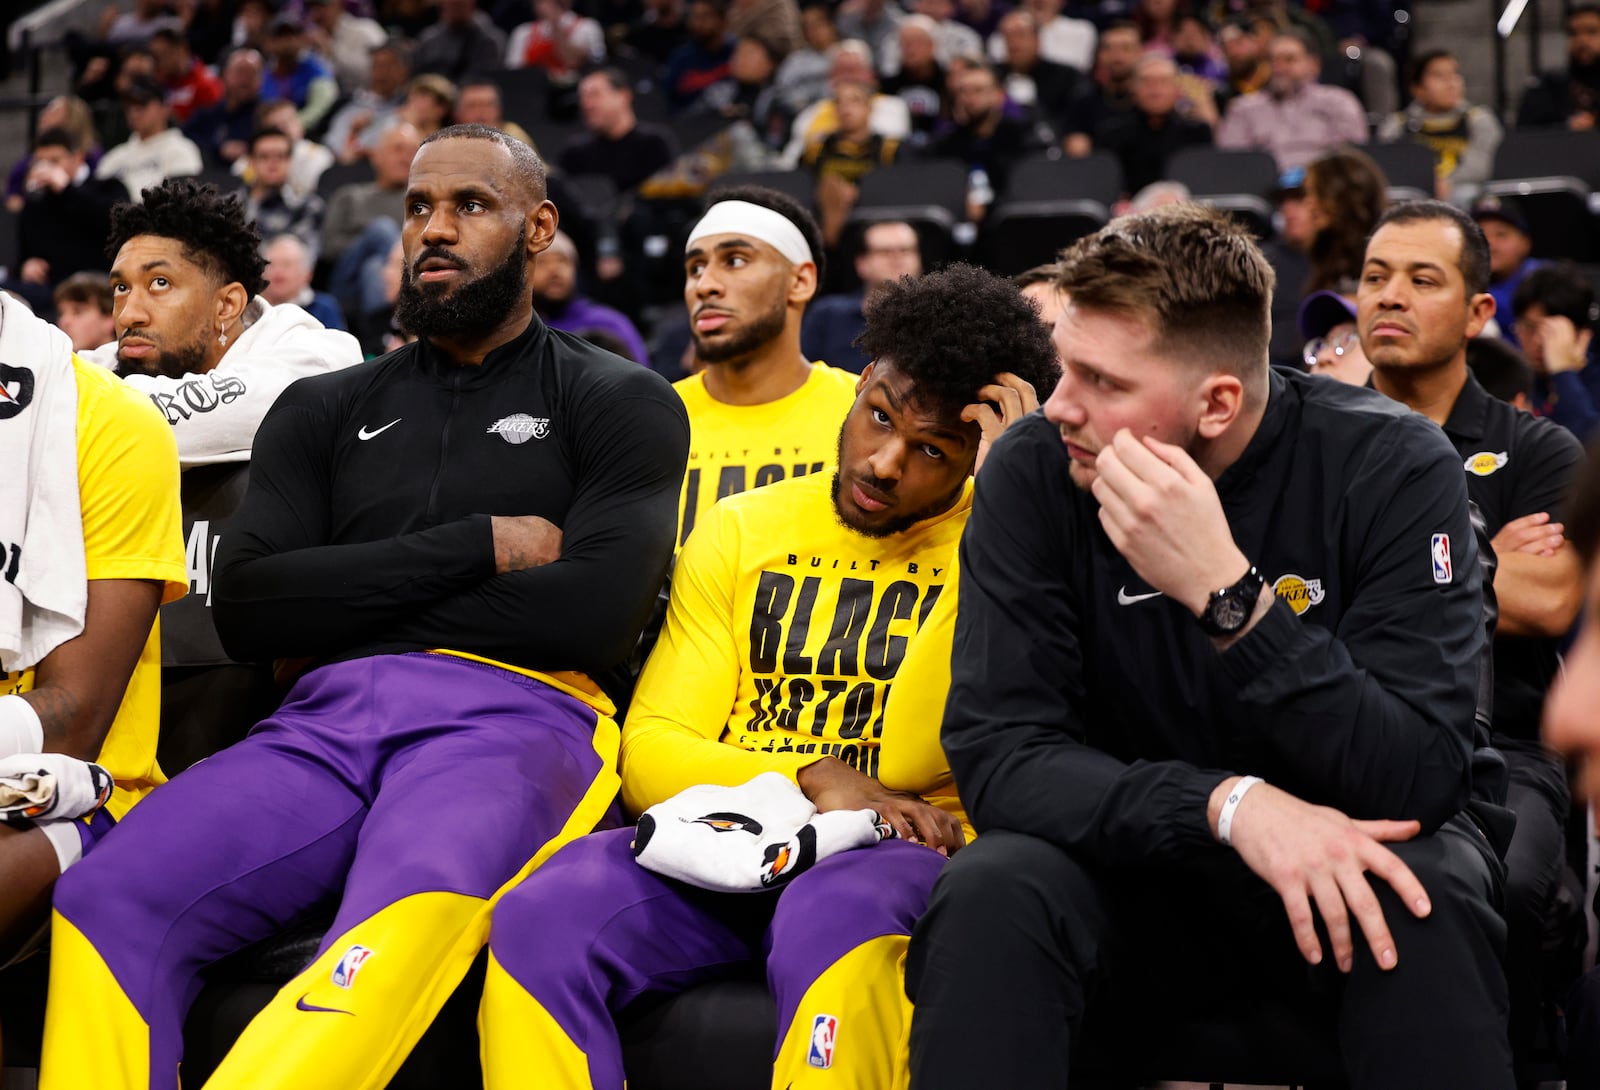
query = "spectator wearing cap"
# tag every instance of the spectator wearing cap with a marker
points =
(1503, 372)
(1510, 247)
(1294, 117)
(1145, 137)
(189, 84)
(297, 74)
(615, 145)
(703, 60)
(1570, 98)
(1462, 138)
(83, 310)
(269, 202)
(154, 150)
(222, 130)
(462, 42)
(1111, 91)
(889, 250)
(554, 284)
(1327, 322)
(65, 218)
(560, 41)
(1554, 311)
(346, 40)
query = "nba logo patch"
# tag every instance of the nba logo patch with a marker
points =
(824, 1034)
(1441, 558)
(344, 973)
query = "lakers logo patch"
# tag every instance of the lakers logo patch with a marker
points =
(1484, 463)
(1300, 593)
(518, 428)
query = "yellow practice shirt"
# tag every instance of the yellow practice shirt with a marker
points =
(132, 529)
(733, 448)
(783, 636)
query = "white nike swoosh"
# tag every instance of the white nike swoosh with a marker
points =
(364, 434)
(1126, 599)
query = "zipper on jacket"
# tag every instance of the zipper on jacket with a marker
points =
(444, 447)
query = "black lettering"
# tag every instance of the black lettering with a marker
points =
(691, 501)
(833, 689)
(872, 763)
(766, 620)
(801, 693)
(230, 388)
(928, 601)
(793, 560)
(850, 616)
(850, 755)
(911, 569)
(170, 408)
(758, 716)
(15, 565)
(883, 704)
(788, 719)
(857, 710)
(768, 474)
(794, 660)
(884, 651)
(198, 396)
(730, 481)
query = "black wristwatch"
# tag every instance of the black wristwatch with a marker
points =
(1230, 608)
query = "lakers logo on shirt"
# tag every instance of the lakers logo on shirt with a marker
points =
(1484, 463)
(1300, 593)
(518, 428)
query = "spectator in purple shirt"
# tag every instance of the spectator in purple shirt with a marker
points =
(555, 296)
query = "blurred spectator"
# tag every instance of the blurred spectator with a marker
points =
(1145, 137)
(363, 223)
(851, 62)
(747, 92)
(872, 21)
(1062, 39)
(1510, 245)
(1157, 21)
(379, 332)
(1288, 252)
(1031, 80)
(1333, 341)
(288, 277)
(983, 15)
(62, 112)
(297, 74)
(105, 95)
(775, 22)
(428, 103)
(1195, 49)
(346, 40)
(950, 38)
(462, 42)
(658, 30)
(1245, 42)
(67, 215)
(275, 208)
(616, 145)
(356, 126)
(554, 283)
(135, 27)
(1569, 98)
(703, 60)
(1345, 193)
(802, 78)
(222, 131)
(1110, 93)
(844, 157)
(155, 150)
(1038, 286)
(1502, 370)
(1462, 138)
(1294, 117)
(559, 40)
(478, 103)
(189, 84)
(919, 80)
(83, 310)
(1555, 314)
(307, 160)
(986, 138)
(889, 250)
(251, 22)
(210, 29)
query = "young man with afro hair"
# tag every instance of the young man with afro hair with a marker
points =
(791, 609)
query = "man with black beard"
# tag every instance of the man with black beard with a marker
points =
(760, 411)
(455, 538)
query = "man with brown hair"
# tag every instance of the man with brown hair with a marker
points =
(1116, 723)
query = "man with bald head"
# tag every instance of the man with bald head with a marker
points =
(451, 541)
(555, 296)
(363, 222)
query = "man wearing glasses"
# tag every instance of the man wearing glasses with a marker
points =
(889, 250)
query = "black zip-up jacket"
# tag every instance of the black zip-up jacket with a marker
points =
(366, 526)
(1087, 710)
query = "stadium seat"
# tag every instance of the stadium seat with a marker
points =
(1048, 203)
(1238, 182)
(930, 194)
(1409, 167)
(340, 175)
(796, 183)
(522, 95)
(223, 178)
(1554, 175)
(1549, 153)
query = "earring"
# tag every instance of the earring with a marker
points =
(222, 339)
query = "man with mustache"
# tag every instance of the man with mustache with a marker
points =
(760, 411)
(1423, 296)
(459, 536)
(791, 608)
(1211, 707)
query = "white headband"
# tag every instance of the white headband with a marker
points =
(753, 221)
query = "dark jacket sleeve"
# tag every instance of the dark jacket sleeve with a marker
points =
(1014, 725)
(282, 591)
(1375, 717)
(1572, 407)
(584, 611)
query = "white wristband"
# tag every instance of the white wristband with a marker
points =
(1230, 804)
(20, 729)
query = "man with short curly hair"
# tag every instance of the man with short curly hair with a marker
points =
(791, 607)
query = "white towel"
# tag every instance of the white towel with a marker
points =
(746, 839)
(48, 786)
(43, 582)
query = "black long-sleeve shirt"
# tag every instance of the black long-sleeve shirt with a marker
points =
(366, 527)
(1088, 710)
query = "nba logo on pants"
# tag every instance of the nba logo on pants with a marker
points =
(824, 1032)
(344, 973)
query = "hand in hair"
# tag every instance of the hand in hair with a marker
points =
(1013, 396)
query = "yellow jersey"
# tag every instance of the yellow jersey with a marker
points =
(733, 448)
(783, 637)
(132, 529)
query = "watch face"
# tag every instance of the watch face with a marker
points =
(1229, 613)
